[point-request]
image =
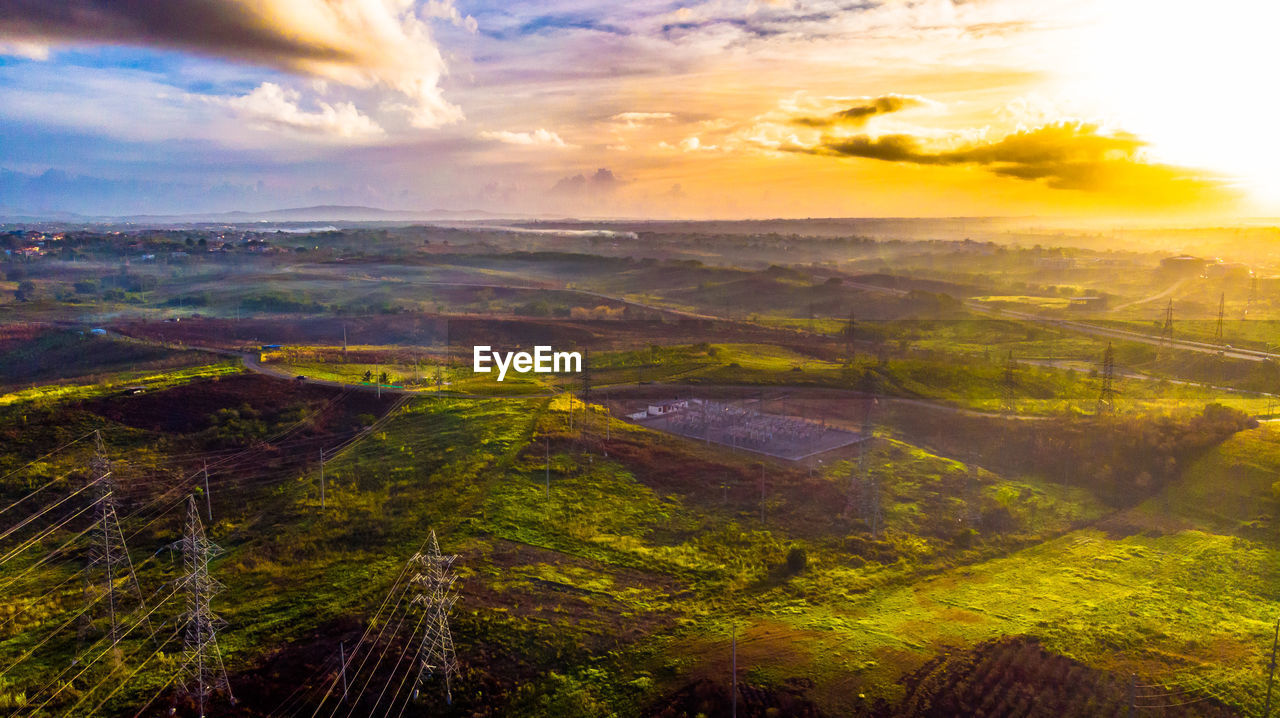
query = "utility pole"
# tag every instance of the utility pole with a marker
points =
(344, 341)
(208, 497)
(205, 675)
(433, 590)
(733, 685)
(762, 494)
(547, 480)
(322, 478)
(1253, 296)
(342, 660)
(1107, 394)
(586, 390)
(1271, 668)
(1133, 694)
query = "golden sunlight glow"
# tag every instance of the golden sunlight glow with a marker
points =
(1192, 79)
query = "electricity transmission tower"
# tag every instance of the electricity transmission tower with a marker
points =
(1107, 394)
(1166, 328)
(1009, 385)
(204, 674)
(1217, 330)
(1253, 296)
(433, 590)
(108, 554)
(850, 328)
(864, 489)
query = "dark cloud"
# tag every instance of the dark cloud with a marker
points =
(602, 181)
(215, 27)
(1065, 155)
(359, 43)
(857, 115)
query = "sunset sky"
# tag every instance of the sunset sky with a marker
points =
(1096, 108)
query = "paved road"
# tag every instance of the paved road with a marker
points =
(1081, 327)
(1158, 295)
(1131, 336)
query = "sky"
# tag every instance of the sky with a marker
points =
(660, 109)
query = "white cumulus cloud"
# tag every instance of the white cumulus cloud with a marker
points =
(539, 137)
(272, 106)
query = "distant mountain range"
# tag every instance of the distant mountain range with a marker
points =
(318, 213)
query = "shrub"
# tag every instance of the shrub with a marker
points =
(797, 559)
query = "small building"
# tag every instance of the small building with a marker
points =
(1183, 264)
(1228, 270)
(668, 407)
(1089, 302)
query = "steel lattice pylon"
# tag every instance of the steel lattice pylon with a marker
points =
(864, 489)
(108, 555)
(204, 674)
(1009, 386)
(1107, 394)
(433, 591)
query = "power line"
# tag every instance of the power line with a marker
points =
(404, 571)
(433, 586)
(108, 550)
(36, 461)
(1107, 393)
(22, 524)
(206, 675)
(58, 678)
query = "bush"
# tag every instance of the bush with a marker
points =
(26, 291)
(797, 559)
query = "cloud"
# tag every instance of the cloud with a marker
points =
(272, 106)
(602, 182)
(637, 119)
(866, 108)
(446, 10)
(359, 43)
(544, 24)
(27, 49)
(1065, 155)
(540, 137)
(695, 144)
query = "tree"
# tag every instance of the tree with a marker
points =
(26, 291)
(797, 559)
(383, 378)
(367, 377)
